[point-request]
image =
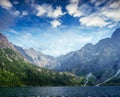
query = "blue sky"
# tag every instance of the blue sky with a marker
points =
(56, 27)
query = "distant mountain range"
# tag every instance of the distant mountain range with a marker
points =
(16, 70)
(97, 64)
(37, 58)
(101, 60)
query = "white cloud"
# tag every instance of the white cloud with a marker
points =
(73, 9)
(49, 11)
(55, 23)
(97, 2)
(112, 11)
(112, 25)
(55, 13)
(104, 16)
(8, 5)
(74, 1)
(41, 10)
(115, 4)
(112, 14)
(93, 20)
(16, 13)
(101, 17)
(24, 13)
(78, 13)
(13, 31)
(5, 4)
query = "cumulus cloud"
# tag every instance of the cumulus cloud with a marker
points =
(104, 16)
(93, 21)
(41, 10)
(73, 9)
(49, 11)
(55, 13)
(18, 13)
(5, 4)
(112, 14)
(55, 23)
(112, 11)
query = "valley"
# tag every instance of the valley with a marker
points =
(97, 64)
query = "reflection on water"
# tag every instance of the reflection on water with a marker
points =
(109, 91)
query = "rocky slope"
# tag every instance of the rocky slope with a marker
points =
(4, 43)
(102, 60)
(37, 58)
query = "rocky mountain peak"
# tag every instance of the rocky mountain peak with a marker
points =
(3, 39)
(88, 45)
(31, 49)
(116, 34)
(4, 43)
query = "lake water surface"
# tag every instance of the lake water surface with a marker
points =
(104, 91)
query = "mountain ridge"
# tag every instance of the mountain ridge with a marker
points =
(98, 59)
(37, 58)
(98, 64)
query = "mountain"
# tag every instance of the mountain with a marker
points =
(4, 43)
(97, 64)
(37, 58)
(101, 60)
(15, 70)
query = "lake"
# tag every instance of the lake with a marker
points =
(103, 91)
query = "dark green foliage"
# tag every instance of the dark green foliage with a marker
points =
(92, 81)
(15, 71)
(8, 78)
(113, 82)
